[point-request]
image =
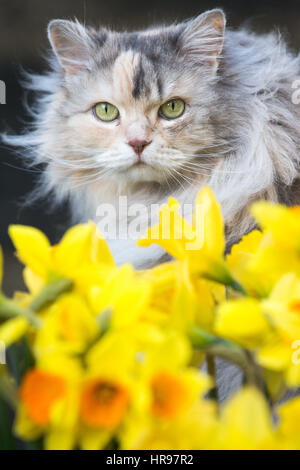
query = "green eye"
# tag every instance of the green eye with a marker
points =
(106, 112)
(172, 109)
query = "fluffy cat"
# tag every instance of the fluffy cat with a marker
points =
(237, 130)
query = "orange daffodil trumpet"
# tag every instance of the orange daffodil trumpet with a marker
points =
(111, 356)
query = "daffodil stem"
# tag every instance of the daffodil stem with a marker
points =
(50, 293)
(237, 287)
(224, 349)
(211, 369)
(200, 338)
(7, 391)
(9, 310)
(254, 376)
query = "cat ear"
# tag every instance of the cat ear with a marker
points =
(72, 45)
(202, 38)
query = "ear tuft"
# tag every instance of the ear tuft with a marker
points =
(203, 37)
(218, 20)
(71, 44)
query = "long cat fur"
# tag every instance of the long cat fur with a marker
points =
(240, 133)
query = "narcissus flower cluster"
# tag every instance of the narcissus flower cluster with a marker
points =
(107, 357)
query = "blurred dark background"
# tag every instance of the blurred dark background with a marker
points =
(23, 42)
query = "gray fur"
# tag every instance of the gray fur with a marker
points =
(241, 134)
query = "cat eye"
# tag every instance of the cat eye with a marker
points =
(172, 109)
(106, 112)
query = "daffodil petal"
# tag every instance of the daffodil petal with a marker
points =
(33, 248)
(210, 223)
(12, 330)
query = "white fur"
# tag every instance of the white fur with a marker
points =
(240, 132)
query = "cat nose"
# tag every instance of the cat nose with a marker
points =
(138, 145)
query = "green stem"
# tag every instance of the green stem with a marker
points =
(237, 287)
(255, 376)
(200, 338)
(50, 293)
(8, 391)
(9, 310)
(226, 350)
(211, 369)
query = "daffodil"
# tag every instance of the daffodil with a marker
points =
(174, 290)
(114, 363)
(49, 402)
(288, 431)
(245, 423)
(201, 243)
(69, 326)
(269, 327)
(257, 279)
(276, 253)
(81, 255)
(124, 293)
(195, 297)
(12, 330)
(195, 429)
(282, 311)
(124, 301)
(172, 396)
(110, 389)
(242, 321)
(282, 222)
(75, 406)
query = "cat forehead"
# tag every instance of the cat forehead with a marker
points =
(137, 61)
(133, 76)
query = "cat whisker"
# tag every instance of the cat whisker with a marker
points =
(90, 179)
(20, 168)
(212, 169)
(178, 180)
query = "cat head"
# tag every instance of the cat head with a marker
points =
(132, 107)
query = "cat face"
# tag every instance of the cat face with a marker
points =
(134, 106)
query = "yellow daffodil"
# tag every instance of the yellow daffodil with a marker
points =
(114, 363)
(282, 310)
(12, 330)
(71, 405)
(257, 280)
(171, 394)
(80, 255)
(108, 390)
(174, 290)
(68, 327)
(245, 423)
(279, 252)
(123, 293)
(195, 429)
(288, 432)
(202, 243)
(49, 402)
(270, 327)
(282, 222)
(242, 321)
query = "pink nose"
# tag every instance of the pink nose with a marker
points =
(138, 145)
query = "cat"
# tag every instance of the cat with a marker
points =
(162, 112)
(238, 132)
